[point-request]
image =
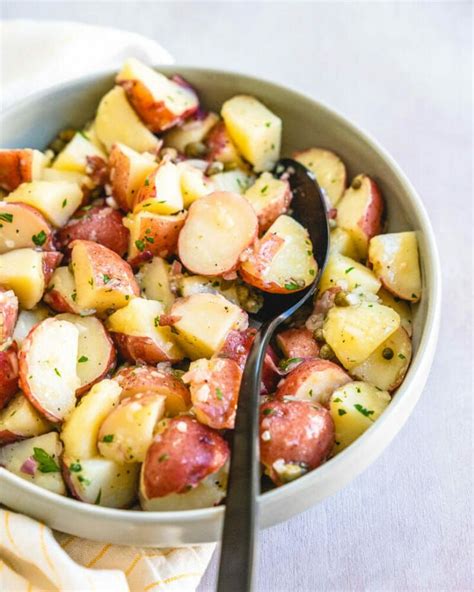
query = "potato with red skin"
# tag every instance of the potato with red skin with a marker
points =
(219, 227)
(214, 386)
(180, 457)
(282, 260)
(61, 293)
(312, 381)
(20, 420)
(51, 260)
(160, 193)
(221, 148)
(160, 102)
(101, 224)
(297, 343)
(8, 314)
(270, 198)
(192, 130)
(153, 235)
(9, 373)
(103, 279)
(22, 226)
(295, 437)
(19, 166)
(139, 379)
(360, 212)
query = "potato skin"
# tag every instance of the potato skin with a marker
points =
(139, 348)
(295, 432)
(297, 343)
(181, 456)
(15, 168)
(220, 146)
(215, 386)
(9, 373)
(51, 260)
(8, 314)
(139, 379)
(100, 224)
(28, 225)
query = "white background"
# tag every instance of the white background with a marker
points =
(403, 71)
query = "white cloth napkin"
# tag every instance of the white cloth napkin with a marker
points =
(35, 55)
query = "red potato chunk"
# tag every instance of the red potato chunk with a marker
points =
(221, 148)
(139, 379)
(153, 235)
(282, 261)
(360, 212)
(160, 102)
(22, 226)
(20, 420)
(328, 169)
(192, 131)
(180, 457)
(297, 343)
(51, 260)
(103, 279)
(295, 437)
(9, 374)
(222, 219)
(313, 381)
(161, 190)
(270, 198)
(8, 314)
(61, 293)
(215, 386)
(47, 366)
(102, 225)
(19, 166)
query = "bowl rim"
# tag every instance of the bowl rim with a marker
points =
(427, 341)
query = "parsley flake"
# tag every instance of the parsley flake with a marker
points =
(39, 239)
(46, 463)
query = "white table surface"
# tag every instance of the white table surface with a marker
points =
(402, 71)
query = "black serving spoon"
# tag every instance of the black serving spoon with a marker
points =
(236, 568)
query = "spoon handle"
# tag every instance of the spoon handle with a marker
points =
(236, 568)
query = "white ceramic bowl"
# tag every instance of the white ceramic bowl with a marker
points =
(36, 120)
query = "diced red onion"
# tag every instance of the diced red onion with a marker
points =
(29, 466)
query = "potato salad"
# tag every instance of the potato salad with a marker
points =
(133, 253)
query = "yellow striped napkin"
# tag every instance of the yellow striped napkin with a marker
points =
(33, 559)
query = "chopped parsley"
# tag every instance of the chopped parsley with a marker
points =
(140, 245)
(74, 296)
(291, 285)
(99, 495)
(106, 278)
(75, 467)
(348, 270)
(82, 359)
(363, 410)
(219, 394)
(285, 364)
(156, 321)
(108, 438)
(163, 457)
(39, 239)
(149, 239)
(6, 217)
(402, 357)
(268, 411)
(263, 189)
(147, 182)
(341, 411)
(56, 371)
(46, 463)
(64, 204)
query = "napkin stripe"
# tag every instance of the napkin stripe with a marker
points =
(99, 555)
(172, 579)
(132, 565)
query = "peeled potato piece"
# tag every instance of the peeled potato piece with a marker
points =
(102, 481)
(73, 157)
(194, 183)
(193, 130)
(403, 308)
(218, 228)
(22, 271)
(387, 365)
(56, 200)
(237, 181)
(201, 323)
(160, 102)
(103, 279)
(153, 234)
(22, 226)
(360, 212)
(328, 169)
(96, 353)
(20, 166)
(116, 121)
(128, 171)
(340, 241)
(394, 258)
(182, 454)
(254, 129)
(128, 430)
(354, 332)
(282, 261)
(347, 274)
(94, 407)
(20, 420)
(270, 198)
(148, 379)
(48, 376)
(161, 190)
(138, 335)
(354, 407)
(36, 460)
(154, 281)
(312, 381)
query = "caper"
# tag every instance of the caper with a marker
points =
(326, 352)
(195, 149)
(356, 184)
(214, 168)
(341, 299)
(387, 353)
(319, 335)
